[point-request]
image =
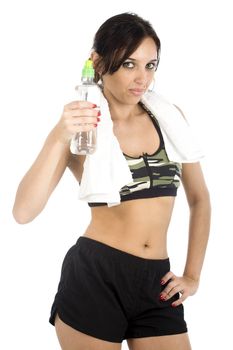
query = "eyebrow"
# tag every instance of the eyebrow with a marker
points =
(133, 59)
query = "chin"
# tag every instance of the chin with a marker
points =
(133, 101)
(131, 97)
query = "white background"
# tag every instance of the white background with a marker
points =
(43, 47)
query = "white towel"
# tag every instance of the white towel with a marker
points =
(181, 143)
(106, 171)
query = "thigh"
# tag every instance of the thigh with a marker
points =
(87, 299)
(71, 339)
(166, 342)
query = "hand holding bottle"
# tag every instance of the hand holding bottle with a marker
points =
(77, 116)
(85, 142)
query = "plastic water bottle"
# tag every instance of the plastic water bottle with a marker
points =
(85, 142)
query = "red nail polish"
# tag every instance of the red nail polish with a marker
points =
(98, 119)
(99, 113)
(94, 105)
(173, 305)
(162, 297)
(162, 282)
(95, 125)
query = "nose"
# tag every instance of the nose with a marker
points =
(141, 77)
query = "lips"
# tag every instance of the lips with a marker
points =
(137, 92)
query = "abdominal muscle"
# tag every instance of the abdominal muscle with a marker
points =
(138, 226)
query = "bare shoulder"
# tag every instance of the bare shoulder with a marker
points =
(194, 182)
(76, 165)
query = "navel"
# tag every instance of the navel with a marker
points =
(146, 245)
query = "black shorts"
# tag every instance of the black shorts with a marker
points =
(113, 295)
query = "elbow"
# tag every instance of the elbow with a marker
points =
(22, 217)
(200, 199)
(26, 211)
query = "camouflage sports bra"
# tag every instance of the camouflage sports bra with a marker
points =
(154, 175)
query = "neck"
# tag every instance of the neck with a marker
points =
(121, 112)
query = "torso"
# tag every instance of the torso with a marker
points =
(136, 226)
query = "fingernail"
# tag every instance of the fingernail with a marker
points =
(173, 305)
(98, 119)
(94, 105)
(95, 125)
(99, 113)
(162, 282)
(162, 297)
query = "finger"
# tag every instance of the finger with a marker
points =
(79, 104)
(180, 300)
(84, 120)
(172, 284)
(171, 289)
(81, 113)
(76, 124)
(76, 117)
(172, 292)
(72, 129)
(169, 275)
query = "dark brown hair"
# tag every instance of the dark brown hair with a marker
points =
(117, 38)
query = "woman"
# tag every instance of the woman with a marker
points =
(116, 281)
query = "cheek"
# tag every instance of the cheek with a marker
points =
(117, 85)
(120, 82)
(151, 76)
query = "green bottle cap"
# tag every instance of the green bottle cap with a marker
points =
(88, 70)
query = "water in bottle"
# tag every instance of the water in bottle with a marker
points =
(85, 142)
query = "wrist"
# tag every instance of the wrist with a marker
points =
(192, 277)
(55, 137)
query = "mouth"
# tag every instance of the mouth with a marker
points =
(137, 92)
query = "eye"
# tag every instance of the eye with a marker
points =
(151, 66)
(128, 64)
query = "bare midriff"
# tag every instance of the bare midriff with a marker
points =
(138, 226)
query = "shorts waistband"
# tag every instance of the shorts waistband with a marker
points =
(108, 250)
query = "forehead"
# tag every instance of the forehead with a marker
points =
(147, 50)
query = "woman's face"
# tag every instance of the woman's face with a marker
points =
(132, 79)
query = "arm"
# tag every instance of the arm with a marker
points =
(41, 179)
(200, 213)
(198, 199)
(39, 182)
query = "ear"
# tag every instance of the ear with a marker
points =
(95, 57)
